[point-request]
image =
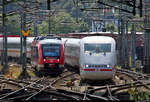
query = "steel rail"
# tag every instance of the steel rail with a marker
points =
(136, 79)
(18, 81)
(21, 89)
(55, 81)
(109, 92)
(127, 87)
(136, 83)
(12, 83)
(134, 73)
(20, 97)
(71, 94)
(89, 96)
(112, 86)
(49, 86)
(56, 93)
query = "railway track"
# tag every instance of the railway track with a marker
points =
(131, 80)
(44, 88)
(66, 87)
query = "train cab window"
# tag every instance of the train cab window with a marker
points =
(105, 47)
(97, 48)
(51, 50)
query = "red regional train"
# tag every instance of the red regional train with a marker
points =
(47, 55)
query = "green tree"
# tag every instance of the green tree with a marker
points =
(111, 28)
(62, 22)
(43, 28)
(13, 24)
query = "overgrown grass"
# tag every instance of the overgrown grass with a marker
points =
(132, 69)
(31, 72)
(139, 94)
(118, 67)
(14, 72)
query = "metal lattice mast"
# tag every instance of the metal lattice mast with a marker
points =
(147, 37)
(119, 39)
(4, 55)
(126, 45)
(24, 74)
(21, 43)
(122, 42)
(126, 42)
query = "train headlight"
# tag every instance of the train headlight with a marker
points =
(86, 66)
(108, 66)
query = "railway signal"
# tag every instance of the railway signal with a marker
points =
(26, 33)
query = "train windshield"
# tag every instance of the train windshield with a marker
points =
(97, 48)
(51, 50)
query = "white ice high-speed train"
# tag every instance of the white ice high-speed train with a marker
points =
(95, 56)
(13, 47)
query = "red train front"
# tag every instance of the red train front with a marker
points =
(47, 55)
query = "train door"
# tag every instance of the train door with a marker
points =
(34, 56)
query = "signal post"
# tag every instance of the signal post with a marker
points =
(24, 74)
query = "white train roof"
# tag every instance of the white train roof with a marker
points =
(16, 39)
(98, 39)
(103, 33)
(70, 41)
(90, 39)
(49, 41)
